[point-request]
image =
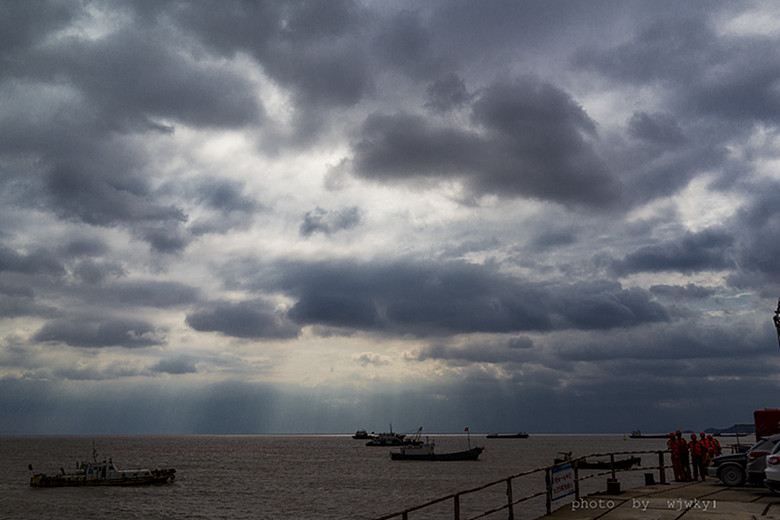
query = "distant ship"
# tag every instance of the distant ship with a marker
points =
(394, 439)
(519, 435)
(637, 434)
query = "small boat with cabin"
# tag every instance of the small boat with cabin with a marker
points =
(427, 451)
(417, 450)
(102, 473)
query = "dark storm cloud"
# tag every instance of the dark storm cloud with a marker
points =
(328, 222)
(529, 139)
(224, 196)
(710, 249)
(176, 365)
(409, 147)
(40, 261)
(660, 51)
(97, 334)
(545, 140)
(252, 319)
(223, 204)
(158, 294)
(513, 350)
(674, 341)
(164, 238)
(446, 94)
(308, 47)
(757, 252)
(453, 298)
(85, 247)
(408, 298)
(138, 76)
(23, 24)
(661, 129)
(96, 196)
(689, 291)
(18, 301)
(96, 273)
(607, 305)
(126, 81)
(403, 43)
(686, 51)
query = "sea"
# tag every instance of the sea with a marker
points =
(293, 476)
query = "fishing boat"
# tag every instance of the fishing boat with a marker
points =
(600, 464)
(418, 450)
(637, 434)
(394, 439)
(427, 451)
(519, 435)
(386, 439)
(101, 473)
(361, 434)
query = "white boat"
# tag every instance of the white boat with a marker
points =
(392, 439)
(102, 473)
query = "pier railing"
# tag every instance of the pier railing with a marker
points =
(553, 488)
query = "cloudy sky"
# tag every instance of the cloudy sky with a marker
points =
(319, 216)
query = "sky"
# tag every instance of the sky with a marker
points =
(298, 216)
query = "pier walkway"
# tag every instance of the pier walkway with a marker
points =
(709, 500)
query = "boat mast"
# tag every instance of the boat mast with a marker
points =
(776, 319)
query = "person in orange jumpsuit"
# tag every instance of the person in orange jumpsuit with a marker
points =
(671, 445)
(682, 450)
(707, 449)
(714, 445)
(698, 452)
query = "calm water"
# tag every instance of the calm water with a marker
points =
(281, 477)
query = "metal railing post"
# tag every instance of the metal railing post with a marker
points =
(456, 509)
(548, 484)
(612, 465)
(509, 499)
(576, 480)
(662, 469)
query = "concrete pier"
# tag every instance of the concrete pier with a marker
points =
(709, 500)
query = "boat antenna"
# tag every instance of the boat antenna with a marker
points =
(776, 319)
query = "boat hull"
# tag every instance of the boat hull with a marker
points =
(157, 477)
(619, 464)
(472, 454)
(507, 436)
